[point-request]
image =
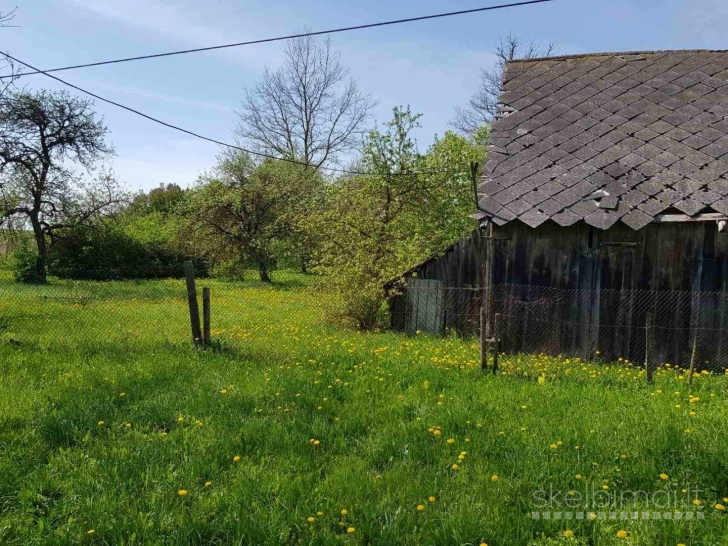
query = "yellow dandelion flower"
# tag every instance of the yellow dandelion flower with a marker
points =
(351, 530)
(569, 533)
(432, 499)
(236, 459)
(494, 478)
(90, 531)
(578, 476)
(182, 492)
(455, 467)
(208, 484)
(451, 440)
(664, 476)
(720, 507)
(101, 423)
(311, 519)
(319, 513)
(420, 507)
(344, 512)
(622, 533)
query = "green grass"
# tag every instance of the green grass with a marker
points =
(76, 454)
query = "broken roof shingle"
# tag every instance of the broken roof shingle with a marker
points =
(650, 130)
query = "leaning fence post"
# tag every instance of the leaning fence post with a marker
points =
(692, 358)
(192, 302)
(483, 338)
(649, 340)
(206, 315)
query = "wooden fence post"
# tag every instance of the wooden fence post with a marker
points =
(206, 315)
(483, 338)
(496, 339)
(649, 345)
(192, 302)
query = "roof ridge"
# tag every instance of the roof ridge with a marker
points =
(614, 54)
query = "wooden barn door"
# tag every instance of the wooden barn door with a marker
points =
(425, 300)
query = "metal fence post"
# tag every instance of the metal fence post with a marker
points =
(649, 340)
(206, 315)
(692, 357)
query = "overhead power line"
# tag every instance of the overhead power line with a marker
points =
(197, 135)
(281, 38)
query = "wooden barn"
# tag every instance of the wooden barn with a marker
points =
(602, 213)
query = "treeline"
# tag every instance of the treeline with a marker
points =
(355, 231)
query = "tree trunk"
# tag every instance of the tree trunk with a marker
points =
(41, 244)
(304, 264)
(263, 272)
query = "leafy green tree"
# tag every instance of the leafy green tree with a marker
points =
(448, 189)
(43, 136)
(243, 209)
(376, 226)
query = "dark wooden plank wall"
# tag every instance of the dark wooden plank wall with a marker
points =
(625, 283)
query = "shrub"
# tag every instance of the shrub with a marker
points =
(229, 270)
(24, 266)
(107, 254)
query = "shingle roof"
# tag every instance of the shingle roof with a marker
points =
(609, 137)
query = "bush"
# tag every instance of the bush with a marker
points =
(24, 267)
(230, 270)
(108, 254)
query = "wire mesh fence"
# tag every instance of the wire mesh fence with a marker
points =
(676, 327)
(144, 314)
(663, 327)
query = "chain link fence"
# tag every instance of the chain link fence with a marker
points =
(664, 327)
(142, 314)
(676, 327)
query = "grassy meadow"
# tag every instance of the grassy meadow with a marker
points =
(114, 429)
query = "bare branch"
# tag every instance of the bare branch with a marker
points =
(308, 109)
(483, 105)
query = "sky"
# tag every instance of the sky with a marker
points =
(433, 66)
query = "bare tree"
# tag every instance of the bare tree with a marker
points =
(308, 109)
(7, 66)
(483, 106)
(42, 136)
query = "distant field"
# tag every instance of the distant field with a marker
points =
(115, 430)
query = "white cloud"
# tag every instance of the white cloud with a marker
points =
(97, 85)
(162, 19)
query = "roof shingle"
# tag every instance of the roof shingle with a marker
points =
(648, 130)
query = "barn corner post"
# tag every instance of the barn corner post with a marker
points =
(192, 302)
(486, 308)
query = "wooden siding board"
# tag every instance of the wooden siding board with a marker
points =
(667, 257)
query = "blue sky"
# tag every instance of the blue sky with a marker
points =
(432, 66)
